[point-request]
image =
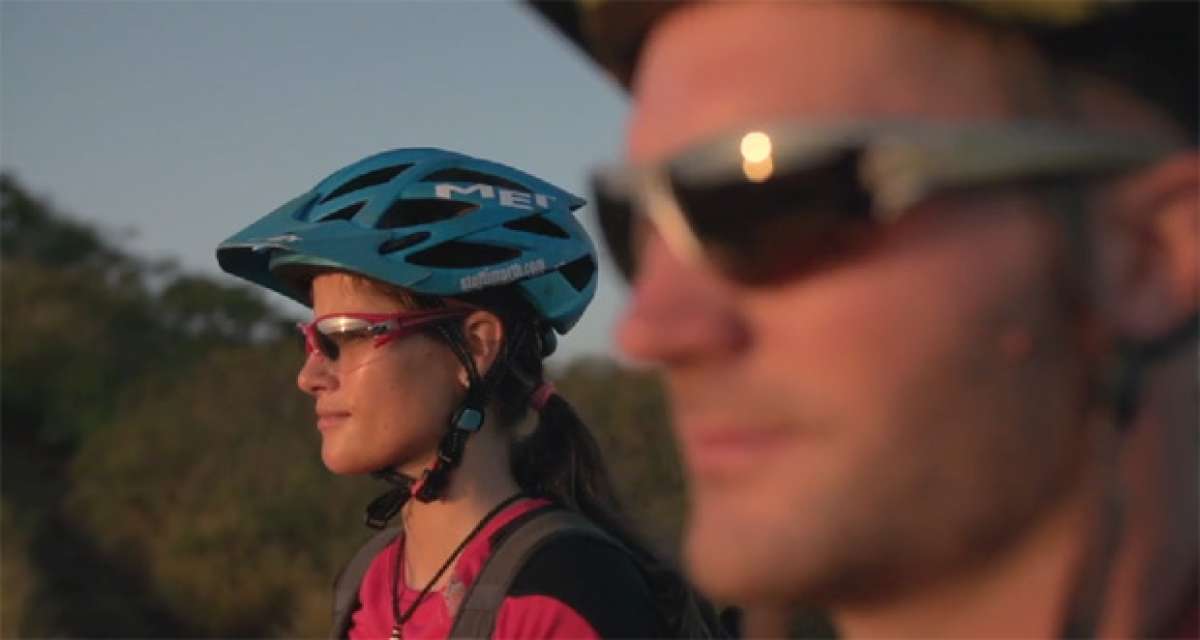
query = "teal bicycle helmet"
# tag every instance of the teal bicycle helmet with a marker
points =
(433, 222)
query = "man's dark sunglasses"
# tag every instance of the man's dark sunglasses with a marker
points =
(759, 204)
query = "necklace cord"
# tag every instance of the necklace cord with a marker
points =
(401, 618)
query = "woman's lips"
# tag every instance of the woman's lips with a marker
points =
(331, 419)
(724, 451)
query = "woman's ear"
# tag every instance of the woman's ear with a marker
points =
(1151, 249)
(483, 333)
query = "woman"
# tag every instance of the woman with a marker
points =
(437, 283)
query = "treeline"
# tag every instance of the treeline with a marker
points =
(160, 474)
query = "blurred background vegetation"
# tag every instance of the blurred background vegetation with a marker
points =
(160, 473)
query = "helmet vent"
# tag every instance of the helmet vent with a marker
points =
(407, 213)
(466, 175)
(369, 179)
(579, 272)
(538, 225)
(345, 213)
(399, 244)
(455, 254)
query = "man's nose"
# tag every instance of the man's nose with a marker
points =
(679, 312)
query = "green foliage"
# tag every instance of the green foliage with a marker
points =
(87, 328)
(31, 231)
(18, 578)
(81, 321)
(215, 486)
(627, 411)
(65, 294)
(68, 347)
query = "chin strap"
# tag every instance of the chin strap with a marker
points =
(1136, 356)
(386, 506)
(1133, 358)
(467, 419)
(1123, 383)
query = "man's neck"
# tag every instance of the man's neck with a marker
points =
(1025, 590)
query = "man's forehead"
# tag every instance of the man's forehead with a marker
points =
(713, 67)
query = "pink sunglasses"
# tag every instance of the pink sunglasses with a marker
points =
(328, 334)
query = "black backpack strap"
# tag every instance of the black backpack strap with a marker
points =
(347, 583)
(476, 616)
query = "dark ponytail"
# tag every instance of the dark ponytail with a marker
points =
(561, 460)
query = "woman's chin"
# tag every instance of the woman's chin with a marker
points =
(336, 468)
(348, 461)
(345, 465)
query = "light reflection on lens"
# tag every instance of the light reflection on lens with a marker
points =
(758, 171)
(756, 147)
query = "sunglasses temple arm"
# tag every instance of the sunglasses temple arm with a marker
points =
(663, 209)
(387, 337)
(406, 329)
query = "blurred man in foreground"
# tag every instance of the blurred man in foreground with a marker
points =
(923, 284)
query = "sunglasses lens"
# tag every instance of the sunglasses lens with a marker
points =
(329, 334)
(316, 342)
(760, 229)
(327, 346)
(614, 212)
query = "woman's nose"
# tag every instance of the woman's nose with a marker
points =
(316, 375)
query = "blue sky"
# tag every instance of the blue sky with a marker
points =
(173, 124)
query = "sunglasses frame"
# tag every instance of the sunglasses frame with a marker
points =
(385, 327)
(899, 164)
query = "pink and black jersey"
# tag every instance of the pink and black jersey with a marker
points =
(572, 587)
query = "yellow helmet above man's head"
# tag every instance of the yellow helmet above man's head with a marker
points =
(1150, 47)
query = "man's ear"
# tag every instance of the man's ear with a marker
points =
(1150, 248)
(484, 335)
